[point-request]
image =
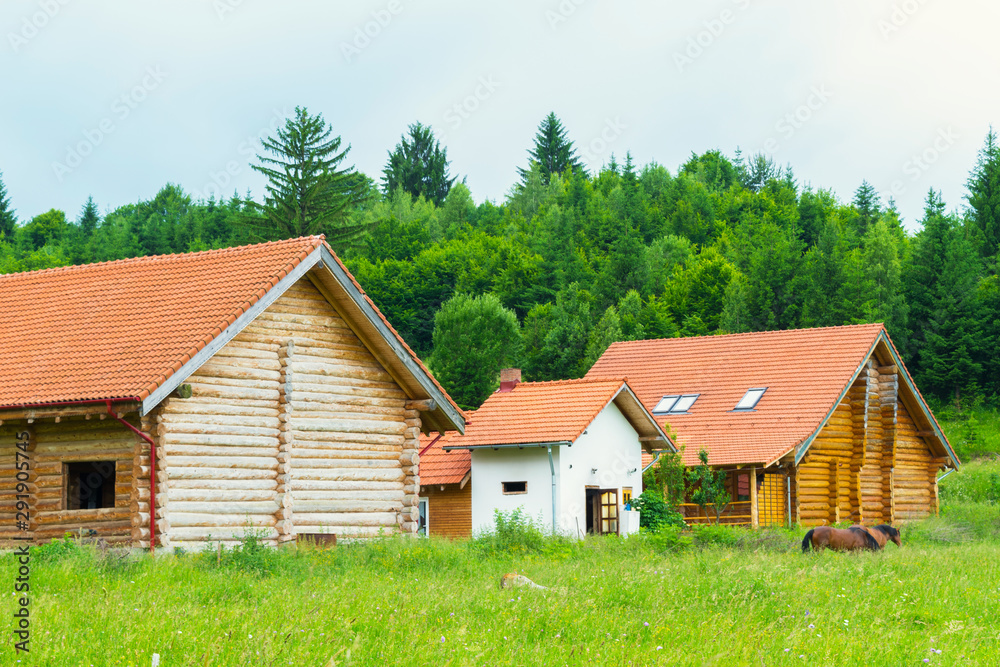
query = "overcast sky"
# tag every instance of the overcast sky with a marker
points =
(114, 99)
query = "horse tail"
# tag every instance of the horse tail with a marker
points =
(807, 540)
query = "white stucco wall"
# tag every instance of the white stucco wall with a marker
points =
(610, 445)
(490, 468)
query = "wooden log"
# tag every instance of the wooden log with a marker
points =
(422, 405)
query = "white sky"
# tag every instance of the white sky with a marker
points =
(226, 70)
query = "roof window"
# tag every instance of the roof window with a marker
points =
(675, 405)
(750, 399)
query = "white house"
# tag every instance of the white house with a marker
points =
(568, 452)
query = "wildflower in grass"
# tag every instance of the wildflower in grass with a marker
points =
(646, 623)
(927, 659)
(659, 648)
(811, 626)
(442, 639)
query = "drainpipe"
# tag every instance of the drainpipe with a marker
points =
(552, 468)
(152, 477)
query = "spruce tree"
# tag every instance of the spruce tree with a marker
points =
(307, 191)
(553, 151)
(868, 206)
(7, 219)
(89, 217)
(984, 196)
(419, 166)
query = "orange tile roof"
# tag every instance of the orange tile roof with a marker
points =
(118, 330)
(440, 467)
(804, 370)
(537, 412)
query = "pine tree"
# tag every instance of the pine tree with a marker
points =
(89, 217)
(419, 166)
(553, 152)
(307, 191)
(984, 196)
(7, 219)
(868, 206)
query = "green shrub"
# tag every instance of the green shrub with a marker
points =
(654, 512)
(60, 549)
(514, 532)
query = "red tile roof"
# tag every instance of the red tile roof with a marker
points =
(537, 412)
(804, 370)
(440, 467)
(118, 330)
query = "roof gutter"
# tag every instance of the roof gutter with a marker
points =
(521, 445)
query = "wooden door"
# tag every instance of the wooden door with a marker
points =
(609, 512)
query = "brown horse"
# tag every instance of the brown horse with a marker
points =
(852, 539)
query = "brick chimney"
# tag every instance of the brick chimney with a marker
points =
(509, 377)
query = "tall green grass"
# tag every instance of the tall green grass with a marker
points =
(973, 432)
(434, 602)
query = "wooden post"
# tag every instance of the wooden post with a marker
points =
(754, 515)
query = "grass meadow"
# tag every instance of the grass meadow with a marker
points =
(732, 598)
(711, 596)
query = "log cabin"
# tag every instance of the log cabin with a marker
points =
(170, 401)
(814, 426)
(566, 453)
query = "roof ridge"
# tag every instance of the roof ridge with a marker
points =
(583, 380)
(879, 325)
(316, 241)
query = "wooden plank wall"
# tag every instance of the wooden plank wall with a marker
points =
(293, 427)
(915, 474)
(73, 439)
(449, 511)
(868, 464)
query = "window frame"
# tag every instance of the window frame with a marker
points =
(68, 474)
(752, 408)
(673, 405)
(504, 491)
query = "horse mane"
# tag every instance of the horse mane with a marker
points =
(888, 530)
(870, 541)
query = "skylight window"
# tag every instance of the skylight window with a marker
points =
(675, 405)
(750, 399)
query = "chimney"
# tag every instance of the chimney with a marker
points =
(509, 377)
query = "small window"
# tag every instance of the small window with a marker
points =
(675, 405)
(626, 495)
(750, 399)
(90, 485)
(665, 404)
(513, 488)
